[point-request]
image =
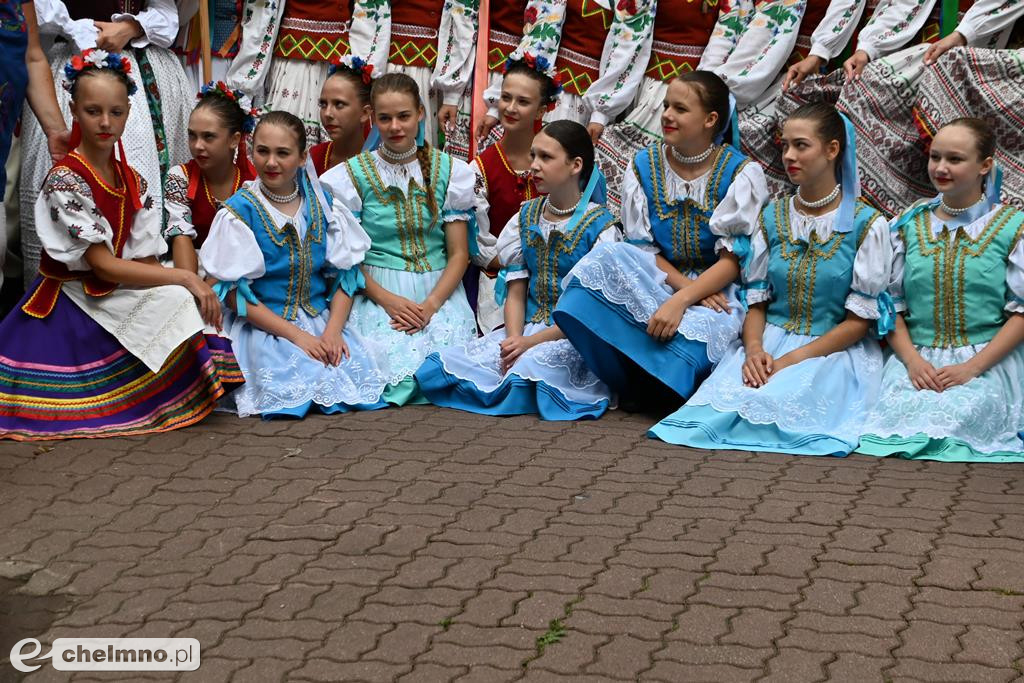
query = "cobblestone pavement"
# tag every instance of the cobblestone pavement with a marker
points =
(430, 545)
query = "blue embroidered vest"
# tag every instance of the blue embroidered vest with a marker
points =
(810, 281)
(403, 236)
(549, 261)
(681, 228)
(294, 275)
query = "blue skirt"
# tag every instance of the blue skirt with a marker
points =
(549, 380)
(609, 298)
(816, 407)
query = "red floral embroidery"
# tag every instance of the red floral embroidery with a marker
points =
(629, 6)
(530, 17)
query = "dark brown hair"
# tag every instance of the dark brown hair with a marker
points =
(984, 138)
(576, 142)
(286, 120)
(828, 124)
(548, 90)
(712, 92)
(356, 79)
(227, 110)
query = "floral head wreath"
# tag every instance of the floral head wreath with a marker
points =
(94, 58)
(357, 65)
(541, 65)
(221, 89)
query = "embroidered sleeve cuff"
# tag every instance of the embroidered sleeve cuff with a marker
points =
(862, 305)
(756, 292)
(449, 215)
(819, 50)
(451, 98)
(599, 118)
(172, 231)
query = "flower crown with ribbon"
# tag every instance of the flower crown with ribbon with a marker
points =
(541, 65)
(356, 65)
(94, 58)
(221, 89)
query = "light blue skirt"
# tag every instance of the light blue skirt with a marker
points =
(282, 381)
(397, 354)
(816, 407)
(608, 300)
(974, 422)
(550, 379)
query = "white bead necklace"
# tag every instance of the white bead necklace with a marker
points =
(397, 157)
(560, 212)
(957, 212)
(279, 198)
(683, 159)
(818, 203)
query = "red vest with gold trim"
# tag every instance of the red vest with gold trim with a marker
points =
(314, 30)
(115, 206)
(506, 191)
(204, 206)
(681, 30)
(505, 31)
(414, 30)
(579, 53)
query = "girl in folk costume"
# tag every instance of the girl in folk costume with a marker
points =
(632, 309)
(530, 367)
(880, 97)
(803, 377)
(431, 41)
(194, 191)
(415, 203)
(685, 33)
(107, 342)
(287, 266)
(503, 179)
(225, 38)
(344, 112)
(287, 49)
(952, 390)
(160, 103)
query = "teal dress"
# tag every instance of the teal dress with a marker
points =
(956, 284)
(407, 256)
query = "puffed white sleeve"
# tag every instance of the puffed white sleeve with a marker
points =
(872, 268)
(347, 242)
(899, 262)
(456, 47)
(636, 221)
(67, 219)
(754, 274)
(836, 28)
(510, 251)
(55, 20)
(337, 182)
(177, 207)
(627, 48)
(145, 239)
(986, 18)
(370, 32)
(735, 218)
(230, 253)
(159, 23)
(892, 25)
(1015, 279)
(487, 244)
(733, 17)
(460, 199)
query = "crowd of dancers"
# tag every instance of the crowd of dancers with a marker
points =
(777, 224)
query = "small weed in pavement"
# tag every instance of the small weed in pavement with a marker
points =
(555, 632)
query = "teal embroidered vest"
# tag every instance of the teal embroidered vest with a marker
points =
(294, 275)
(810, 280)
(403, 236)
(681, 228)
(956, 289)
(549, 261)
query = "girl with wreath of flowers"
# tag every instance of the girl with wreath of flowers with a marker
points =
(142, 31)
(219, 166)
(344, 112)
(108, 342)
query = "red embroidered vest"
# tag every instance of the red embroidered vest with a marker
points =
(579, 54)
(313, 30)
(505, 31)
(505, 190)
(204, 206)
(115, 206)
(681, 30)
(414, 30)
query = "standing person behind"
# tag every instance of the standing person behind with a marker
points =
(22, 62)
(652, 317)
(195, 191)
(108, 342)
(952, 389)
(805, 373)
(344, 112)
(530, 367)
(225, 38)
(683, 33)
(160, 109)
(414, 202)
(503, 178)
(287, 266)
